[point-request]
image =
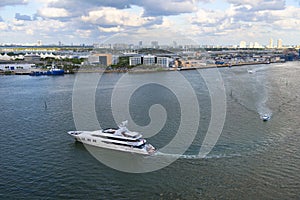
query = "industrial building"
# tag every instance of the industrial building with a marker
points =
(103, 59)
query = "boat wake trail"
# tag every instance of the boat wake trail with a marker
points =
(262, 107)
(262, 98)
(191, 157)
(253, 96)
(262, 68)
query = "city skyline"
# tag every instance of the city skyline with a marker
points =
(210, 22)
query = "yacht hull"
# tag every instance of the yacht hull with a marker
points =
(86, 139)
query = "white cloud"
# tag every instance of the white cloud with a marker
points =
(18, 22)
(151, 7)
(3, 26)
(208, 17)
(88, 20)
(50, 25)
(289, 12)
(48, 1)
(288, 24)
(42, 27)
(29, 32)
(115, 29)
(260, 4)
(53, 12)
(284, 19)
(113, 16)
(166, 23)
(83, 33)
(241, 19)
(12, 2)
(167, 7)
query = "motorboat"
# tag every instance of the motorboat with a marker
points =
(266, 117)
(251, 71)
(120, 139)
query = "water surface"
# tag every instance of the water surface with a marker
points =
(252, 159)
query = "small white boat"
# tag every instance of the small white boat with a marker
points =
(117, 139)
(266, 117)
(251, 71)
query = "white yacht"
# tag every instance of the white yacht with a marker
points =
(117, 139)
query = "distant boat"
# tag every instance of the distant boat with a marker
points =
(52, 71)
(36, 73)
(186, 68)
(266, 117)
(251, 71)
(55, 71)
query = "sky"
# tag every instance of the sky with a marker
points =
(203, 22)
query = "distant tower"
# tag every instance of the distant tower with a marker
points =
(251, 45)
(271, 43)
(174, 44)
(257, 45)
(140, 44)
(154, 44)
(243, 44)
(39, 42)
(279, 43)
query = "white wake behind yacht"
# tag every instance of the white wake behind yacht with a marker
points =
(117, 139)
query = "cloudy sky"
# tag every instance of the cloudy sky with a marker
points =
(220, 22)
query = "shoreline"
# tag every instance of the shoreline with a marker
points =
(161, 69)
(144, 70)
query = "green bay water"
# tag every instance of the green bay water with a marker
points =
(252, 158)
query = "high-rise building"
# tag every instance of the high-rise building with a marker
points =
(120, 46)
(243, 44)
(154, 44)
(257, 45)
(251, 45)
(174, 44)
(271, 43)
(279, 43)
(39, 42)
(140, 44)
